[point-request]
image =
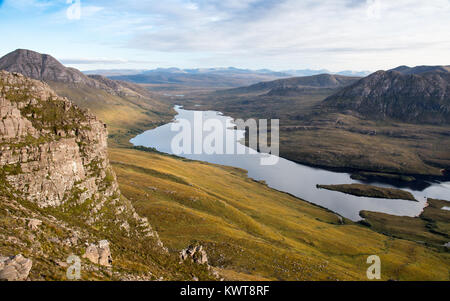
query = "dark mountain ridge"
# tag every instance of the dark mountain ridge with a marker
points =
(415, 98)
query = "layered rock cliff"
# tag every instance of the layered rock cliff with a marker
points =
(51, 149)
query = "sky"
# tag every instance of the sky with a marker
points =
(275, 34)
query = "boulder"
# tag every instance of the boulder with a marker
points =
(99, 253)
(34, 224)
(196, 253)
(15, 268)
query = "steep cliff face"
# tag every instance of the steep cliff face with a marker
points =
(59, 195)
(53, 148)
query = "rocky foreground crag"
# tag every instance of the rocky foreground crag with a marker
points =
(59, 196)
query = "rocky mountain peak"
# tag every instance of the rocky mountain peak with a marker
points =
(46, 68)
(41, 67)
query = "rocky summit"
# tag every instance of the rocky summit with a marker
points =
(40, 66)
(45, 67)
(59, 195)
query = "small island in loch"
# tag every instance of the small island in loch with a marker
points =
(370, 191)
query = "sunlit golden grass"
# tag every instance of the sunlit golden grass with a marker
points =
(253, 232)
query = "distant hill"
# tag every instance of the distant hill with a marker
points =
(121, 105)
(310, 72)
(421, 69)
(295, 85)
(202, 77)
(113, 72)
(415, 95)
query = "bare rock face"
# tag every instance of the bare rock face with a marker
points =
(196, 253)
(15, 268)
(51, 150)
(99, 253)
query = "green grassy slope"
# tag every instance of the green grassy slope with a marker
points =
(253, 232)
(431, 227)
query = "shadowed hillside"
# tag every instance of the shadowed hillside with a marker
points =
(416, 95)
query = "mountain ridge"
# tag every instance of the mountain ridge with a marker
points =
(413, 95)
(421, 69)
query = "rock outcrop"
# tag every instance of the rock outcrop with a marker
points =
(99, 253)
(196, 253)
(16, 268)
(50, 150)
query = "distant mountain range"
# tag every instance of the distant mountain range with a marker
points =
(310, 72)
(210, 77)
(200, 78)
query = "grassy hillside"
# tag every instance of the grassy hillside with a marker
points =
(432, 226)
(253, 232)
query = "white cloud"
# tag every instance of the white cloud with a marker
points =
(291, 29)
(333, 34)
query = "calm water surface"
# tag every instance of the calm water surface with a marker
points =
(291, 177)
